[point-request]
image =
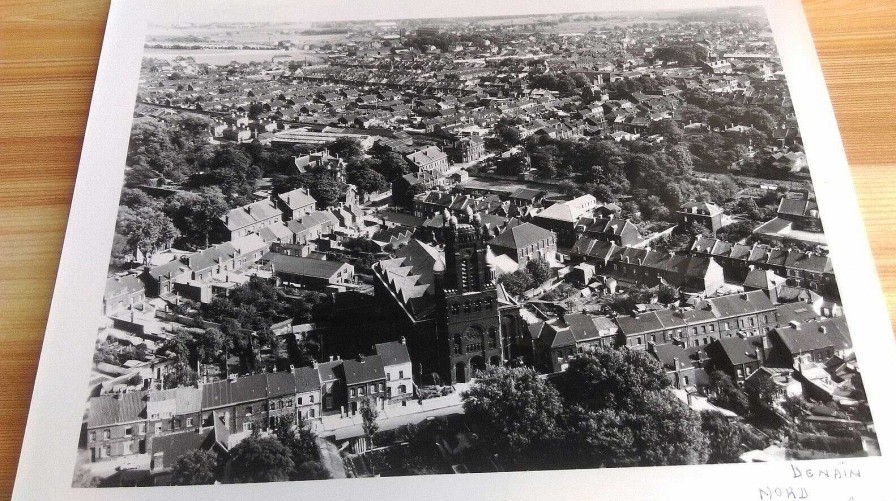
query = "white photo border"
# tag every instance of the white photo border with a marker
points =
(58, 402)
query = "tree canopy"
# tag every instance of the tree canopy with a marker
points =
(196, 467)
(260, 460)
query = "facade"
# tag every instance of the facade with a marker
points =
(296, 203)
(399, 371)
(706, 213)
(429, 160)
(807, 270)
(525, 242)
(122, 292)
(469, 149)
(556, 342)
(735, 315)
(618, 231)
(248, 219)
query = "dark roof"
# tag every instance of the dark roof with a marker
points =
(303, 266)
(116, 408)
(226, 392)
(811, 336)
(393, 353)
(328, 370)
(737, 350)
(175, 445)
(281, 384)
(306, 379)
(744, 303)
(363, 370)
(520, 236)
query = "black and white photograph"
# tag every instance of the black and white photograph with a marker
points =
(362, 248)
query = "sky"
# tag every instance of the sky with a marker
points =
(167, 12)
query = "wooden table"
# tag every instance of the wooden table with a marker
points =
(48, 56)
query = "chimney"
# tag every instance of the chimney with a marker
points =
(403, 340)
(823, 329)
(759, 356)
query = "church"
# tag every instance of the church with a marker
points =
(444, 299)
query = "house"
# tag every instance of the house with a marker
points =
(737, 356)
(122, 292)
(525, 242)
(248, 219)
(296, 203)
(796, 220)
(308, 392)
(682, 371)
(619, 231)
(556, 341)
(312, 226)
(117, 425)
(365, 379)
(468, 149)
(706, 213)
(562, 217)
(316, 274)
(815, 341)
(397, 366)
(430, 160)
(782, 380)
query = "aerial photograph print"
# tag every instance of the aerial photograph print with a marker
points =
(379, 248)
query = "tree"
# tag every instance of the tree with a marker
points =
(197, 214)
(628, 390)
(325, 188)
(196, 467)
(513, 412)
(539, 270)
(516, 283)
(392, 165)
(611, 378)
(369, 415)
(726, 394)
(367, 180)
(345, 148)
(723, 437)
(147, 229)
(260, 460)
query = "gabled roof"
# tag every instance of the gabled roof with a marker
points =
(427, 156)
(303, 266)
(520, 236)
(393, 353)
(115, 408)
(737, 350)
(297, 198)
(306, 379)
(364, 370)
(122, 285)
(250, 214)
(226, 392)
(810, 336)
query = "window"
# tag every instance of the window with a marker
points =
(300, 398)
(400, 374)
(311, 399)
(687, 381)
(248, 410)
(653, 338)
(381, 387)
(388, 376)
(107, 434)
(128, 431)
(289, 403)
(158, 428)
(189, 422)
(727, 326)
(93, 436)
(373, 388)
(752, 322)
(142, 429)
(352, 392)
(694, 330)
(360, 391)
(311, 413)
(712, 327)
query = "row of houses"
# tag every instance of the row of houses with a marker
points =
(122, 424)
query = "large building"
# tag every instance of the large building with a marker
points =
(445, 301)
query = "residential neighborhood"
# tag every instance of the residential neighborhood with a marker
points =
(441, 246)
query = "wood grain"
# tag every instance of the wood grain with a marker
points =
(48, 56)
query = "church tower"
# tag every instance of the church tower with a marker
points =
(469, 323)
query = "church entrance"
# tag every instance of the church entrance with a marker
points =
(495, 360)
(460, 372)
(477, 364)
